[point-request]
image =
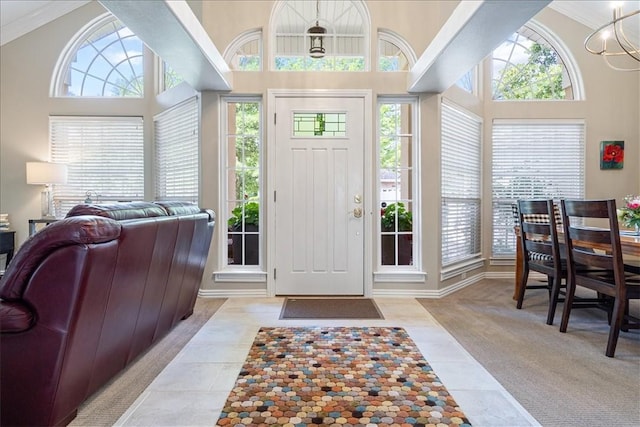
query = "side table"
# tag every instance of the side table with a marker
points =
(33, 224)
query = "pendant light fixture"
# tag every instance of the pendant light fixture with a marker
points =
(316, 36)
(611, 42)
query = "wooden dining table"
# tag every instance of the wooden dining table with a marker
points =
(630, 246)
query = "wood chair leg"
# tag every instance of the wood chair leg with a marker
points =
(523, 286)
(553, 300)
(614, 330)
(625, 323)
(568, 302)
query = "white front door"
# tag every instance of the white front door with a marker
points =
(319, 196)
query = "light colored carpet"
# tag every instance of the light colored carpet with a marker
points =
(561, 379)
(111, 401)
(330, 308)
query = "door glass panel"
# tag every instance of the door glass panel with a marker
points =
(319, 124)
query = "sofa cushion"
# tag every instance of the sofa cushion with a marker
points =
(179, 208)
(185, 208)
(69, 231)
(120, 211)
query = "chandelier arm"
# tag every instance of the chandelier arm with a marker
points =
(625, 44)
(616, 68)
(613, 67)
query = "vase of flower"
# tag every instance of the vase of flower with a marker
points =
(629, 214)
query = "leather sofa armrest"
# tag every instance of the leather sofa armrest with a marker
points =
(15, 317)
(66, 232)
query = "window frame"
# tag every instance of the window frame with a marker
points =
(69, 52)
(536, 34)
(411, 272)
(237, 45)
(388, 36)
(239, 272)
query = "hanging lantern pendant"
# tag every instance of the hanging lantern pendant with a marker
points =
(316, 35)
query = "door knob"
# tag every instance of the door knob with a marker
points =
(357, 212)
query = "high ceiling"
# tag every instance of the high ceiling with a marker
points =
(171, 29)
(18, 17)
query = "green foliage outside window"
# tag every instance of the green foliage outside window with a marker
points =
(330, 63)
(538, 78)
(389, 129)
(247, 150)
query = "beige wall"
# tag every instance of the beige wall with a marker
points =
(611, 109)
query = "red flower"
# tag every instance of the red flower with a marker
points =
(613, 153)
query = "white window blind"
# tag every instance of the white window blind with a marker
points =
(460, 182)
(176, 152)
(104, 157)
(541, 159)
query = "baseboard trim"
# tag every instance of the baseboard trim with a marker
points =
(377, 293)
(232, 293)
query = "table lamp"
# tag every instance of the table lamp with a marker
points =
(46, 173)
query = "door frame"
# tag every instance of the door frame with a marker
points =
(368, 234)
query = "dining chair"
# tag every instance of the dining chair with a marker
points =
(601, 270)
(540, 250)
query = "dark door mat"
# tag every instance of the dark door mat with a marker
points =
(330, 308)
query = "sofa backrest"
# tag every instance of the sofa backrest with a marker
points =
(103, 287)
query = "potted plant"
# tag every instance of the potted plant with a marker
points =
(390, 215)
(245, 218)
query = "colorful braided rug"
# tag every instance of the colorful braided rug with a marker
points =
(338, 376)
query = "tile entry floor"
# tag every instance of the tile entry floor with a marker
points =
(193, 388)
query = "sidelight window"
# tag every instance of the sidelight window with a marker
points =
(243, 210)
(396, 183)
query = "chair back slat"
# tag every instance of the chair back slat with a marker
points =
(539, 247)
(539, 235)
(578, 236)
(593, 259)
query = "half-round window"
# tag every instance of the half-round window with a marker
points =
(245, 52)
(105, 59)
(527, 67)
(394, 53)
(345, 40)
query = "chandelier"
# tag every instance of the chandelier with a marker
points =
(316, 35)
(618, 51)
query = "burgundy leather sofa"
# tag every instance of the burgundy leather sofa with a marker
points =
(86, 295)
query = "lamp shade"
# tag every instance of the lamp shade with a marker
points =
(44, 173)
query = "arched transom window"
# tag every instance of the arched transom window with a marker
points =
(345, 42)
(527, 66)
(105, 59)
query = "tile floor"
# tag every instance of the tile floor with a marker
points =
(193, 388)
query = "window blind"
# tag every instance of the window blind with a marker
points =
(541, 159)
(460, 185)
(104, 157)
(176, 163)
